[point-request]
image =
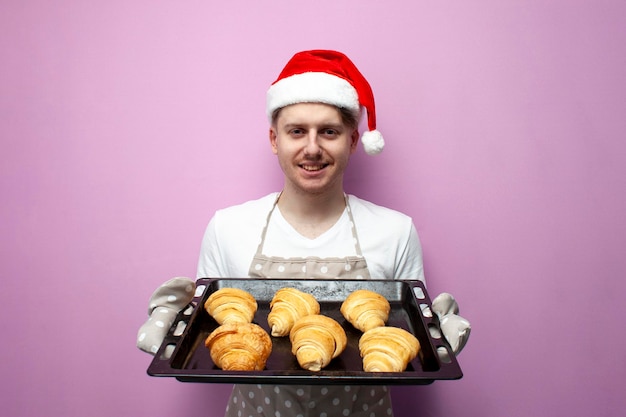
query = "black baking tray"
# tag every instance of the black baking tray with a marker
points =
(184, 356)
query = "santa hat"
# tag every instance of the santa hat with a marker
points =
(329, 77)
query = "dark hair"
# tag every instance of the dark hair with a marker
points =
(348, 117)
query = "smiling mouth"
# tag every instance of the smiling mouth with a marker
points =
(312, 168)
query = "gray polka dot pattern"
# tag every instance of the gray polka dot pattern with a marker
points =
(309, 401)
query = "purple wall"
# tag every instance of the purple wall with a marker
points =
(125, 124)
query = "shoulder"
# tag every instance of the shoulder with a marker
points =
(388, 240)
(235, 230)
(247, 211)
(232, 236)
(376, 223)
(368, 212)
(240, 221)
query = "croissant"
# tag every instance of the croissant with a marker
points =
(387, 349)
(231, 305)
(365, 309)
(239, 347)
(316, 340)
(287, 306)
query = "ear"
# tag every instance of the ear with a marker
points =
(354, 140)
(272, 136)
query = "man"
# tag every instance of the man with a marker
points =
(314, 109)
(312, 229)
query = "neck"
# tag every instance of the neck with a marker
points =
(311, 214)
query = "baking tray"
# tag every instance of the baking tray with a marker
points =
(184, 356)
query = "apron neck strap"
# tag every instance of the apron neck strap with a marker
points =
(357, 245)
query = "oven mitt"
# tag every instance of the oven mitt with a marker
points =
(455, 328)
(165, 304)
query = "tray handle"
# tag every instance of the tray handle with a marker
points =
(179, 326)
(445, 355)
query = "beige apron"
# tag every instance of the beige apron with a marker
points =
(309, 400)
(263, 266)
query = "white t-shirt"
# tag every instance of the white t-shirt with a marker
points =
(388, 240)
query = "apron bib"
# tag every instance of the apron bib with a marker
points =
(309, 400)
(263, 266)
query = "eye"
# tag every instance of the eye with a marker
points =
(296, 132)
(329, 133)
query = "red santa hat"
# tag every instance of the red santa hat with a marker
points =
(322, 76)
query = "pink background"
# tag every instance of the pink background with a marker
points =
(125, 124)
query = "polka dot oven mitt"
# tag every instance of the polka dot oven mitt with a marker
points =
(165, 304)
(455, 328)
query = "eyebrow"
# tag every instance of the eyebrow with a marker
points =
(337, 126)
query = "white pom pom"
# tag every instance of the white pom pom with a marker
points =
(373, 142)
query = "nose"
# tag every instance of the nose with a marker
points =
(312, 146)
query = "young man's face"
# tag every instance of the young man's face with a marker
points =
(313, 146)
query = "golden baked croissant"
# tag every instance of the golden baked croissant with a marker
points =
(387, 349)
(239, 347)
(231, 305)
(316, 340)
(287, 306)
(365, 309)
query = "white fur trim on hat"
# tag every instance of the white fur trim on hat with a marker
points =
(312, 87)
(373, 142)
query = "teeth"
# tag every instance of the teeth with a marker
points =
(312, 167)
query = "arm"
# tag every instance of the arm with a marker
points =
(410, 264)
(455, 328)
(174, 295)
(209, 264)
